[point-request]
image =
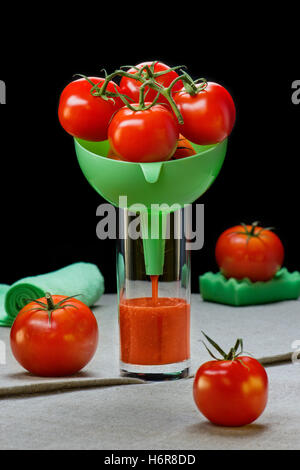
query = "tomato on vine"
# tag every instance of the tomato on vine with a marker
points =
(249, 251)
(162, 73)
(204, 111)
(143, 134)
(233, 390)
(85, 114)
(207, 110)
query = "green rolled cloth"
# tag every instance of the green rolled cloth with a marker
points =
(3, 315)
(81, 279)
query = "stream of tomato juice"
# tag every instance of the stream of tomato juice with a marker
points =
(154, 330)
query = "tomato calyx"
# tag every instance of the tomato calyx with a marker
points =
(193, 87)
(252, 232)
(50, 306)
(232, 355)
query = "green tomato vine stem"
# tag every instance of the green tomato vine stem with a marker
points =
(233, 355)
(147, 77)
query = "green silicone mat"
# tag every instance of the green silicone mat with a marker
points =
(216, 288)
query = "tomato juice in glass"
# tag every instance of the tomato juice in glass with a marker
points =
(154, 311)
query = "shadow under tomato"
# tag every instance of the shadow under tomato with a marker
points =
(27, 375)
(227, 431)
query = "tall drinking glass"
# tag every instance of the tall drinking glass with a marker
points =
(154, 311)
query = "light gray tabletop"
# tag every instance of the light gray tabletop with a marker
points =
(157, 415)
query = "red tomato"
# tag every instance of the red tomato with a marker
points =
(231, 392)
(249, 251)
(143, 136)
(131, 87)
(56, 347)
(208, 116)
(184, 149)
(83, 115)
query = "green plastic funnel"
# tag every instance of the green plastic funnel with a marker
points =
(172, 183)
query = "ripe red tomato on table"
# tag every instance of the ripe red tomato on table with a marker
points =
(249, 251)
(148, 135)
(231, 392)
(131, 87)
(86, 116)
(208, 116)
(56, 342)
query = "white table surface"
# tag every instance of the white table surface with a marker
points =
(158, 415)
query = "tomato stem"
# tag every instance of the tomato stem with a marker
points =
(50, 302)
(166, 93)
(232, 355)
(147, 76)
(191, 86)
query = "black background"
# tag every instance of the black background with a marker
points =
(48, 210)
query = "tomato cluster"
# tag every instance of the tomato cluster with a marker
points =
(152, 115)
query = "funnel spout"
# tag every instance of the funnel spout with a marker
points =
(151, 171)
(153, 232)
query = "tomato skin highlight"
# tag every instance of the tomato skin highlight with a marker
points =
(55, 349)
(258, 259)
(229, 393)
(131, 87)
(208, 116)
(143, 136)
(85, 116)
